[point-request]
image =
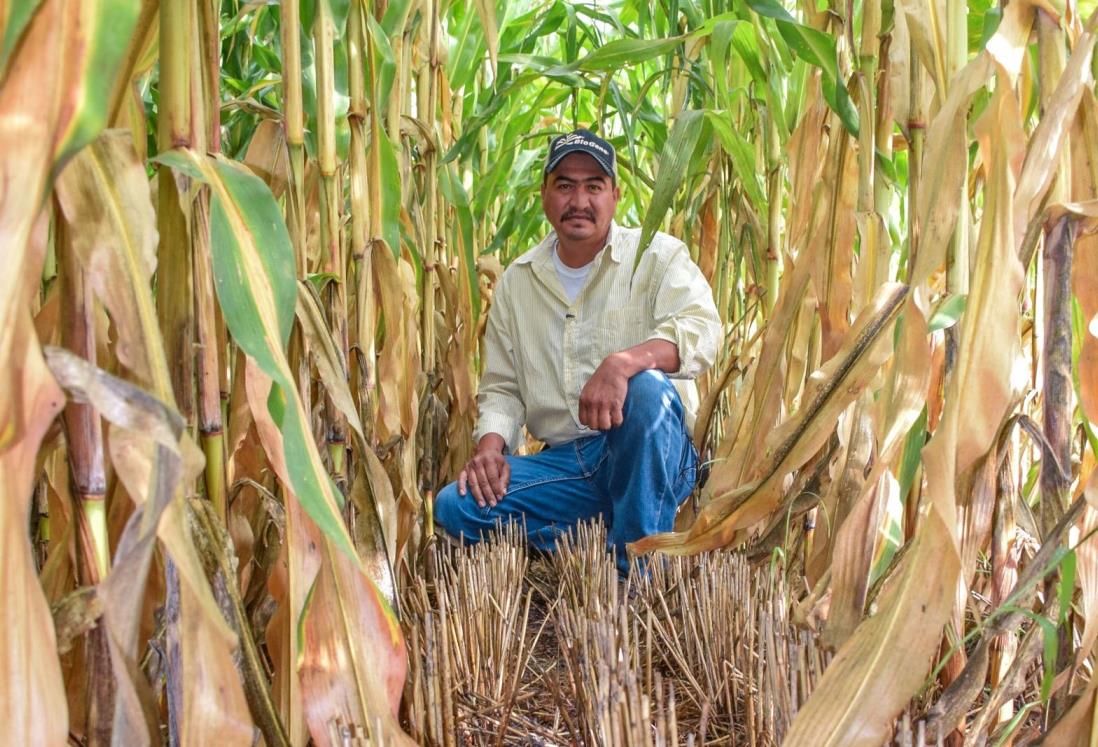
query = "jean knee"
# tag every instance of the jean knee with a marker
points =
(650, 392)
(448, 513)
(649, 383)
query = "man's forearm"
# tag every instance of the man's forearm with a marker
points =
(650, 354)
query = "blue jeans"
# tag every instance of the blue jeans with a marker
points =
(633, 476)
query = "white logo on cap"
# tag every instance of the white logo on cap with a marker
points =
(575, 138)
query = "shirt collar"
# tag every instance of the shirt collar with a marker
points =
(543, 252)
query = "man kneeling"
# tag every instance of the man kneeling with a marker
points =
(582, 351)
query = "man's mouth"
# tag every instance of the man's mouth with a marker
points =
(578, 216)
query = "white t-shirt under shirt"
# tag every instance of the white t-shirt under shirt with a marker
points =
(571, 278)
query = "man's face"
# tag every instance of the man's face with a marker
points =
(579, 198)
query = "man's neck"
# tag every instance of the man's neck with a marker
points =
(578, 254)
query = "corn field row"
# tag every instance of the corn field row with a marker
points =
(250, 251)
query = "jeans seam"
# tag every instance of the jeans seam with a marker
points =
(588, 472)
(486, 510)
(534, 484)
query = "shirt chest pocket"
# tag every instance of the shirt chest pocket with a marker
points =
(624, 327)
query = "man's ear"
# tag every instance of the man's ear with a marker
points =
(617, 193)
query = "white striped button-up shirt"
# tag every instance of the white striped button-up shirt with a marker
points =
(540, 349)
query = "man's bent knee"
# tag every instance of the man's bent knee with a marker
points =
(650, 392)
(451, 512)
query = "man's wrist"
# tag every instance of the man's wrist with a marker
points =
(624, 363)
(491, 442)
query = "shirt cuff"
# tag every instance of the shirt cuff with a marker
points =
(668, 332)
(504, 425)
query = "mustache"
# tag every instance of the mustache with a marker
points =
(588, 214)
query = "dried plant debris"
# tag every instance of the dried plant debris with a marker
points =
(513, 649)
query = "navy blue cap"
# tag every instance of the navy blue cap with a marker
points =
(582, 141)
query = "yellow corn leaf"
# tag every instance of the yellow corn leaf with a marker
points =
(900, 62)
(857, 515)
(293, 574)
(799, 348)
(375, 530)
(805, 164)
(1079, 725)
(486, 9)
(267, 155)
(871, 679)
(343, 663)
(379, 501)
(152, 456)
(214, 708)
(1084, 270)
(33, 709)
(1042, 156)
(831, 389)
(104, 194)
(904, 396)
(1007, 46)
(942, 187)
(328, 357)
(48, 107)
(1087, 560)
(833, 224)
(398, 361)
(346, 679)
(759, 411)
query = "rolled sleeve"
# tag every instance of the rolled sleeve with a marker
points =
(499, 402)
(685, 314)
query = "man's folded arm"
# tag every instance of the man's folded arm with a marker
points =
(686, 315)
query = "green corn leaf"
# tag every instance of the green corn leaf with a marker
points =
(107, 25)
(622, 52)
(396, 16)
(910, 457)
(742, 154)
(673, 164)
(816, 48)
(384, 58)
(709, 26)
(450, 185)
(719, 46)
(948, 313)
(253, 267)
(1066, 587)
(771, 9)
(18, 16)
(390, 189)
(747, 47)
(337, 8)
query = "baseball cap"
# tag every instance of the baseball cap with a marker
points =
(582, 141)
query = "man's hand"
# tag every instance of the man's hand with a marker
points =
(603, 396)
(487, 473)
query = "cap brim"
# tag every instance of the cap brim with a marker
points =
(569, 150)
